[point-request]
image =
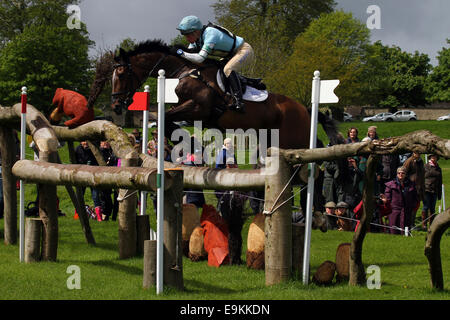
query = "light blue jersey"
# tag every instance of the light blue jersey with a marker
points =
(216, 42)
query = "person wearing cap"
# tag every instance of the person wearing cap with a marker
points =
(372, 133)
(330, 207)
(342, 211)
(402, 196)
(433, 189)
(216, 41)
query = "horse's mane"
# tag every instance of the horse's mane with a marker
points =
(103, 72)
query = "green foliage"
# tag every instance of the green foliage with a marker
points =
(334, 44)
(438, 84)
(395, 77)
(269, 26)
(39, 51)
(44, 58)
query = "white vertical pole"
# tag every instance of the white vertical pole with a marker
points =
(160, 185)
(309, 200)
(144, 149)
(23, 138)
(443, 198)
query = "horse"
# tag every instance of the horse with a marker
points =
(201, 99)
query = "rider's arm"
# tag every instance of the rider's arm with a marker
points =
(194, 57)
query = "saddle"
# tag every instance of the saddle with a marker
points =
(252, 89)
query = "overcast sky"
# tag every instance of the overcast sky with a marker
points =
(421, 25)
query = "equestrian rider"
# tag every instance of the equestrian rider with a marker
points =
(217, 41)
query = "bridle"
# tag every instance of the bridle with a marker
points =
(131, 75)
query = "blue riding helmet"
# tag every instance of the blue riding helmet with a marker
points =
(189, 24)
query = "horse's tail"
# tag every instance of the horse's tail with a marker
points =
(330, 127)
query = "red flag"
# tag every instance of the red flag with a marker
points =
(140, 101)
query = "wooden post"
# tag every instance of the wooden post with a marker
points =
(298, 244)
(7, 147)
(33, 238)
(173, 220)
(278, 224)
(48, 213)
(79, 201)
(127, 214)
(149, 278)
(142, 232)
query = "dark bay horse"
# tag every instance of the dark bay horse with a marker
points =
(200, 98)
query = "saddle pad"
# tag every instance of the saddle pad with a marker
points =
(251, 94)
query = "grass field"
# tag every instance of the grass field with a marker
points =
(403, 266)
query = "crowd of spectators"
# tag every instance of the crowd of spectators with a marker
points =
(402, 183)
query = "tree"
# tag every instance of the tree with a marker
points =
(335, 44)
(395, 78)
(269, 26)
(40, 52)
(438, 83)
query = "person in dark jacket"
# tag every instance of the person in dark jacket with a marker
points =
(415, 171)
(390, 163)
(349, 191)
(402, 196)
(433, 189)
(108, 206)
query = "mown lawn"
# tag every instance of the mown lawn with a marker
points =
(403, 266)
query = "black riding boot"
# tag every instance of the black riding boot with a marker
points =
(236, 91)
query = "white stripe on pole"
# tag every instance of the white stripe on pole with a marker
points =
(23, 138)
(160, 185)
(311, 166)
(144, 148)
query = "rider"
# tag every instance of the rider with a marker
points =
(216, 41)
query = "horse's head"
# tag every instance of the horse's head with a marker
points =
(124, 83)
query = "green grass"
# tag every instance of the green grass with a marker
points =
(404, 268)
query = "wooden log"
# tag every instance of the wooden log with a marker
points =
(278, 229)
(191, 220)
(197, 250)
(255, 243)
(33, 238)
(298, 245)
(343, 261)
(8, 157)
(127, 215)
(48, 213)
(173, 220)
(133, 178)
(142, 232)
(149, 278)
(79, 203)
(325, 273)
(357, 273)
(433, 248)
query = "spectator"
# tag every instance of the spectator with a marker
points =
(330, 178)
(389, 163)
(415, 171)
(330, 215)
(352, 135)
(433, 189)
(84, 155)
(137, 135)
(135, 145)
(382, 209)
(108, 206)
(372, 133)
(402, 196)
(194, 158)
(226, 155)
(343, 218)
(349, 191)
(151, 148)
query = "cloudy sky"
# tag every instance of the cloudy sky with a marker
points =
(421, 25)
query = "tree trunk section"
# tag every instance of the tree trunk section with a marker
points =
(278, 224)
(149, 278)
(33, 239)
(127, 215)
(8, 154)
(143, 232)
(173, 221)
(48, 213)
(357, 272)
(433, 248)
